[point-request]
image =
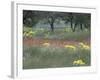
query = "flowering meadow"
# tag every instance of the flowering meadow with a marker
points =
(61, 48)
(55, 39)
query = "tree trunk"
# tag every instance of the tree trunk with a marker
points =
(71, 21)
(52, 27)
(74, 27)
(71, 25)
(81, 27)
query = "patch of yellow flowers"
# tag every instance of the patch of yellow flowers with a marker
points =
(46, 44)
(70, 47)
(84, 46)
(29, 33)
(78, 62)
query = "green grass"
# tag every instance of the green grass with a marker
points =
(50, 57)
(63, 34)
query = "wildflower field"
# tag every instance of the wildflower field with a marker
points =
(60, 48)
(54, 39)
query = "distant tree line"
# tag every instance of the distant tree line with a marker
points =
(31, 18)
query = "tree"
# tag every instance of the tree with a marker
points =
(49, 18)
(82, 19)
(69, 18)
(29, 18)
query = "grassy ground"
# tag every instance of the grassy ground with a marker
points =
(48, 55)
(63, 34)
(45, 57)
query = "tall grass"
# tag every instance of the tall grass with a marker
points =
(50, 57)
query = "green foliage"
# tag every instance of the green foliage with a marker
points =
(31, 18)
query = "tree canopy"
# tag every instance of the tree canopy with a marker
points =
(31, 18)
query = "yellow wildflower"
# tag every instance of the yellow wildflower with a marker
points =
(81, 43)
(84, 46)
(79, 62)
(70, 46)
(46, 44)
(32, 32)
(74, 62)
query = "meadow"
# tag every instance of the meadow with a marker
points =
(43, 48)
